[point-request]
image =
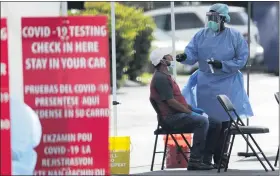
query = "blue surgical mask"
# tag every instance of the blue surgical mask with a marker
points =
(213, 25)
(172, 64)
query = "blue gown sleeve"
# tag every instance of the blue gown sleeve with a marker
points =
(191, 51)
(241, 56)
(189, 90)
(26, 132)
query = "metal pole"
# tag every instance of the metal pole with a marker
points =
(173, 38)
(249, 62)
(63, 8)
(278, 69)
(248, 66)
(114, 68)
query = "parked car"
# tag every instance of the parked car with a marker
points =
(190, 19)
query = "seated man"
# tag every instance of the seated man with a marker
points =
(178, 114)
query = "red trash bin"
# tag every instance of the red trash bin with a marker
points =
(174, 158)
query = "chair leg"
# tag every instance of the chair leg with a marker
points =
(276, 158)
(188, 144)
(261, 152)
(251, 147)
(164, 153)
(154, 153)
(179, 148)
(229, 153)
(223, 151)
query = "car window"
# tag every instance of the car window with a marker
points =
(160, 21)
(187, 21)
(238, 18)
(182, 21)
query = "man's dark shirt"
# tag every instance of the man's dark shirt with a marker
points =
(163, 88)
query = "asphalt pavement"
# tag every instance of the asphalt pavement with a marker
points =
(137, 119)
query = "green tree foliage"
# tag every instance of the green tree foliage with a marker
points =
(133, 35)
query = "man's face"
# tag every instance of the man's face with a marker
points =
(168, 59)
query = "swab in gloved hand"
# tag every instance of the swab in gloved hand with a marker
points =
(210, 65)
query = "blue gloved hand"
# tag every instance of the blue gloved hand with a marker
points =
(216, 64)
(195, 114)
(198, 110)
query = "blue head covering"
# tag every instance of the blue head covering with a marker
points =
(221, 9)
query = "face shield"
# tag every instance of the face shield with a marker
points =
(213, 21)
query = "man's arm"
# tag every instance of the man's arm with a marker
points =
(189, 107)
(178, 106)
(165, 91)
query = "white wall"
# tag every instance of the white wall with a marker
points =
(13, 11)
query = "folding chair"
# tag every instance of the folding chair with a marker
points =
(165, 129)
(276, 95)
(237, 127)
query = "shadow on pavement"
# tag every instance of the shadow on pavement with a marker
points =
(230, 172)
(270, 158)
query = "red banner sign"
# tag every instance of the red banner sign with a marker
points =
(5, 104)
(66, 73)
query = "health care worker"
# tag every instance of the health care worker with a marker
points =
(26, 132)
(221, 52)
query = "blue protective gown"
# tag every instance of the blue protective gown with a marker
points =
(26, 132)
(202, 88)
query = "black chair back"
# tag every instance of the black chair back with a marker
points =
(226, 103)
(277, 97)
(228, 107)
(154, 104)
(159, 116)
(156, 108)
